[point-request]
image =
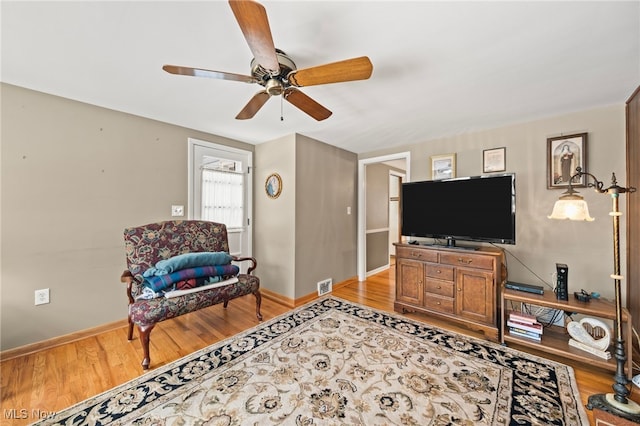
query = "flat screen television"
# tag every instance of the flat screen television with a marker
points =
(478, 208)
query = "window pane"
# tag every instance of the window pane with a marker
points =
(222, 197)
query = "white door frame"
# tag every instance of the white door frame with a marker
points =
(403, 178)
(362, 214)
(249, 183)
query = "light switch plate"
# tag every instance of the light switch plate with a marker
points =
(42, 296)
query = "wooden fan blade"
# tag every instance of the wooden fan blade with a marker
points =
(306, 104)
(253, 21)
(336, 72)
(254, 105)
(198, 72)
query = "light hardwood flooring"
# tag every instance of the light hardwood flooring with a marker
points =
(55, 378)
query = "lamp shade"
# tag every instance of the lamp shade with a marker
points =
(572, 207)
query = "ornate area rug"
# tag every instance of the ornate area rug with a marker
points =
(332, 362)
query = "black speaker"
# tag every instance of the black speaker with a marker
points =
(562, 271)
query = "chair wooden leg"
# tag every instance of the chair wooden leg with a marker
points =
(130, 333)
(258, 303)
(145, 331)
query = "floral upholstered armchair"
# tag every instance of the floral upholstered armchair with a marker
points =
(177, 267)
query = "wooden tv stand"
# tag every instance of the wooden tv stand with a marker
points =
(555, 339)
(454, 283)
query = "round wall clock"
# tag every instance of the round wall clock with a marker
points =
(273, 185)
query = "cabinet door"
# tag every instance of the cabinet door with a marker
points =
(475, 295)
(409, 281)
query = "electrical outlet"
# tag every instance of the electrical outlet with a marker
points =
(325, 286)
(177, 210)
(42, 296)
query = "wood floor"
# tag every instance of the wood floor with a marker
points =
(56, 378)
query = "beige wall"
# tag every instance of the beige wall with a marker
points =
(73, 177)
(274, 244)
(326, 235)
(377, 196)
(540, 242)
(377, 220)
(305, 235)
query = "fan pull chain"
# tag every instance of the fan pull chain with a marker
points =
(282, 108)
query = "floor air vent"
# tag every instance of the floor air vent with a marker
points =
(325, 286)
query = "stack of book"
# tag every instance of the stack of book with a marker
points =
(524, 325)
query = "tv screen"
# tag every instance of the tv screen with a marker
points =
(479, 208)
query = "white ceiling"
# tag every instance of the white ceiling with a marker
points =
(440, 68)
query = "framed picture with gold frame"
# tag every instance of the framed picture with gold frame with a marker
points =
(273, 185)
(564, 154)
(443, 166)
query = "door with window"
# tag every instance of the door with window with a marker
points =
(220, 188)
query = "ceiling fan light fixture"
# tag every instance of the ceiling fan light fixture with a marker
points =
(274, 87)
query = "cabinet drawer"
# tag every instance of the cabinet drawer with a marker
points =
(417, 254)
(443, 288)
(438, 304)
(440, 272)
(469, 260)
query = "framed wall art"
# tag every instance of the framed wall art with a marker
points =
(273, 185)
(494, 160)
(564, 154)
(443, 166)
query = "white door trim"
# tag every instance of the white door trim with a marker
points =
(362, 214)
(249, 188)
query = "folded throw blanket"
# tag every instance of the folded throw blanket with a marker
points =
(177, 293)
(161, 282)
(188, 260)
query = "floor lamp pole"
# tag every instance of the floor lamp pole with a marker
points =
(617, 403)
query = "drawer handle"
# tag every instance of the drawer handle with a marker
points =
(438, 287)
(414, 254)
(467, 261)
(438, 271)
(438, 303)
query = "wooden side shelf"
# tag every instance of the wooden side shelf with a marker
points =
(555, 339)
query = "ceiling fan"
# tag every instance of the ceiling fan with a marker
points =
(274, 70)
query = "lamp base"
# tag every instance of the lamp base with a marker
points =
(607, 402)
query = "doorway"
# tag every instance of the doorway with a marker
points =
(220, 190)
(362, 211)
